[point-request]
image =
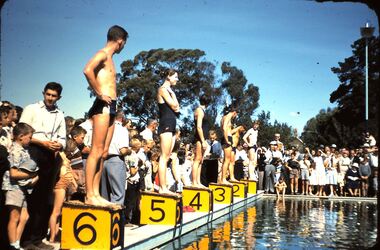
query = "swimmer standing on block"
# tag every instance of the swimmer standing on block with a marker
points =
(229, 113)
(168, 111)
(101, 76)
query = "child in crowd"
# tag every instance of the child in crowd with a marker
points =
(132, 194)
(280, 187)
(77, 137)
(365, 173)
(184, 167)
(353, 179)
(146, 169)
(18, 182)
(63, 189)
(312, 178)
(304, 166)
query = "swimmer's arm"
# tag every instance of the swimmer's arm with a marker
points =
(235, 130)
(226, 127)
(245, 137)
(172, 102)
(89, 71)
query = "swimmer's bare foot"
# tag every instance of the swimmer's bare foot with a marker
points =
(104, 202)
(201, 186)
(167, 191)
(225, 182)
(231, 180)
(92, 200)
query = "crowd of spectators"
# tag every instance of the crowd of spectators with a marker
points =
(43, 161)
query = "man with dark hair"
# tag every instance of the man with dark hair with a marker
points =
(150, 129)
(116, 32)
(48, 138)
(54, 86)
(101, 76)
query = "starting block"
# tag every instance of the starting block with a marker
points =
(92, 227)
(223, 193)
(252, 186)
(240, 189)
(200, 199)
(160, 209)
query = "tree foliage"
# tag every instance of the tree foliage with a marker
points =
(245, 96)
(137, 85)
(267, 130)
(345, 124)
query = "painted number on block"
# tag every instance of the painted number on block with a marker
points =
(159, 211)
(115, 233)
(236, 189)
(79, 229)
(220, 194)
(196, 201)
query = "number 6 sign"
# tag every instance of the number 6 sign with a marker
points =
(91, 227)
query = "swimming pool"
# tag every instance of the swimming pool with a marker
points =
(292, 223)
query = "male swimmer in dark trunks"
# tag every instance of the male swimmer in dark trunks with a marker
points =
(226, 124)
(101, 76)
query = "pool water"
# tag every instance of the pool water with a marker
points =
(292, 223)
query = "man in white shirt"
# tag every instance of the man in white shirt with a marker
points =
(273, 152)
(114, 173)
(151, 127)
(250, 138)
(48, 139)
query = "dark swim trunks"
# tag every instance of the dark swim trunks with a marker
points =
(101, 107)
(224, 143)
(254, 147)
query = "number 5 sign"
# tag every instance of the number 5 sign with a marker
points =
(160, 209)
(91, 227)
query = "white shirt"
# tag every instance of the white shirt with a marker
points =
(48, 125)
(252, 137)
(147, 134)
(87, 125)
(269, 155)
(241, 155)
(120, 139)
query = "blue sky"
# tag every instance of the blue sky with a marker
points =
(284, 47)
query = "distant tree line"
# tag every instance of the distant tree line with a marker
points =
(139, 80)
(345, 124)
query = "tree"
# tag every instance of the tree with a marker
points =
(350, 95)
(245, 96)
(345, 124)
(137, 85)
(267, 130)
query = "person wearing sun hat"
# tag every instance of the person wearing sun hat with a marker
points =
(353, 179)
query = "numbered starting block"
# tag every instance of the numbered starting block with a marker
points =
(92, 227)
(160, 209)
(200, 199)
(252, 186)
(223, 193)
(240, 189)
